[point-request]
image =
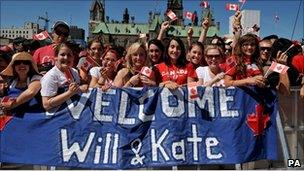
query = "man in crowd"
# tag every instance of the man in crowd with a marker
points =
(44, 56)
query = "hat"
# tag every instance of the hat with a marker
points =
(61, 23)
(8, 71)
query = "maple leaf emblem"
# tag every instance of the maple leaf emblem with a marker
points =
(257, 122)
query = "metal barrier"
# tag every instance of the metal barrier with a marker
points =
(292, 113)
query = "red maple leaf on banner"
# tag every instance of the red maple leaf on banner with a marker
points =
(4, 119)
(257, 122)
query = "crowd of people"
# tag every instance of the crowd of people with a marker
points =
(56, 72)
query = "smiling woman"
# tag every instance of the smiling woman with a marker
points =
(24, 78)
(62, 81)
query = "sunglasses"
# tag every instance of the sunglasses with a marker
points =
(59, 33)
(25, 62)
(265, 48)
(213, 56)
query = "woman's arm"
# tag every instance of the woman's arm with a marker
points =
(165, 25)
(51, 102)
(204, 30)
(119, 79)
(258, 80)
(28, 94)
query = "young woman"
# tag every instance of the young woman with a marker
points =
(56, 86)
(103, 76)
(246, 71)
(212, 74)
(95, 49)
(195, 54)
(175, 70)
(130, 76)
(155, 51)
(24, 79)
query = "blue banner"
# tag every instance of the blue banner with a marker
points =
(128, 128)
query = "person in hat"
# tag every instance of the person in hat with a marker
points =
(45, 56)
(24, 78)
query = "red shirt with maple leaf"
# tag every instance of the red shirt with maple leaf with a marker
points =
(251, 69)
(174, 73)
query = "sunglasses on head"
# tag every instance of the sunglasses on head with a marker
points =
(25, 62)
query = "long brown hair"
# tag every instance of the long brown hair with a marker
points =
(239, 55)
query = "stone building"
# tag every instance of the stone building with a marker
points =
(126, 32)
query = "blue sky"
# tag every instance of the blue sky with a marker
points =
(16, 12)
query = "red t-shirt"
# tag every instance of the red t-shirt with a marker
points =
(174, 73)
(251, 68)
(298, 63)
(45, 54)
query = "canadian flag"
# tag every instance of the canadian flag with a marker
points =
(41, 36)
(192, 90)
(279, 68)
(87, 63)
(232, 7)
(204, 4)
(171, 15)
(190, 15)
(68, 75)
(146, 71)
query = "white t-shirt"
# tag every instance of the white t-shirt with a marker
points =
(29, 81)
(205, 74)
(54, 79)
(95, 72)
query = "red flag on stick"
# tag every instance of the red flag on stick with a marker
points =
(279, 68)
(41, 36)
(204, 4)
(190, 15)
(171, 15)
(68, 75)
(232, 7)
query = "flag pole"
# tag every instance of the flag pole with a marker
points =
(242, 5)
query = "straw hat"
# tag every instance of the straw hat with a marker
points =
(24, 56)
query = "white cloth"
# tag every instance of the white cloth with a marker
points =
(54, 79)
(28, 82)
(95, 72)
(205, 74)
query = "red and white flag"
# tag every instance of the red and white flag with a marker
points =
(68, 75)
(146, 71)
(41, 36)
(242, 1)
(87, 63)
(171, 15)
(192, 90)
(204, 4)
(190, 15)
(279, 68)
(232, 7)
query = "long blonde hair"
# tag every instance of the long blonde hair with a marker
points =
(131, 50)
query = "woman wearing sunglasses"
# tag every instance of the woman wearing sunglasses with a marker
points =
(24, 80)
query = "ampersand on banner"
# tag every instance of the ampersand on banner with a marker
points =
(136, 146)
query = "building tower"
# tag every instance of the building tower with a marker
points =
(126, 16)
(177, 7)
(97, 15)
